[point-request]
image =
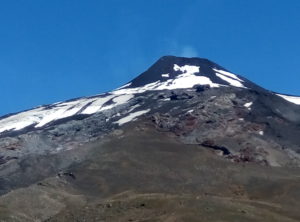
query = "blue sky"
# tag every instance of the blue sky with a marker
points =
(60, 49)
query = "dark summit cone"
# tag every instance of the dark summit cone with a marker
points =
(163, 70)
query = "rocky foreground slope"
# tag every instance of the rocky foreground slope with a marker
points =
(185, 141)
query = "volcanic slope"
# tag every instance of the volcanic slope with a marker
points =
(187, 140)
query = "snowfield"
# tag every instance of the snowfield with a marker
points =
(42, 116)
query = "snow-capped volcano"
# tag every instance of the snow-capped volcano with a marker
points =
(185, 136)
(168, 73)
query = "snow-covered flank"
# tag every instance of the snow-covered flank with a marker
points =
(231, 78)
(131, 117)
(20, 120)
(167, 75)
(292, 99)
(185, 80)
(248, 105)
(41, 116)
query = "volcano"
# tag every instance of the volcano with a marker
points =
(186, 140)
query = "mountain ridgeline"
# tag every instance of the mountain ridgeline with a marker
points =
(187, 140)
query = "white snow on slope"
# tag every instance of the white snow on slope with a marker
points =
(119, 100)
(167, 75)
(62, 110)
(122, 99)
(42, 116)
(248, 105)
(231, 78)
(131, 117)
(231, 81)
(186, 68)
(229, 74)
(20, 120)
(292, 99)
(97, 104)
(187, 79)
(126, 85)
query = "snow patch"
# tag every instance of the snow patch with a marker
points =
(248, 105)
(186, 80)
(122, 99)
(119, 100)
(96, 105)
(292, 99)
(228, 74)
(150, 86)
(131, 117)
(231, 78)
(133, 107)
(186, 68)
(126, 85)
(167, 75)
(231, 81)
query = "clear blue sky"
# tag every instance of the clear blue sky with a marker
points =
(60, 49)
